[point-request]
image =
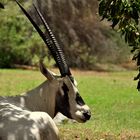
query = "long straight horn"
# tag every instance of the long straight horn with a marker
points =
(45, 39)
(55, 51)
(62, 64)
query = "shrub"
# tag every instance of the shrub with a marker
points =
(19, 42)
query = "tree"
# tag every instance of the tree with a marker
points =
(124, 15)
(81, 38)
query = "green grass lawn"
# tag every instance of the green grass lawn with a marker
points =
(112, 97)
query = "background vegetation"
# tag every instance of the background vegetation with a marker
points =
(19, 43)
(86, 42)
(112, 97)
(78, 30)
(125, 15)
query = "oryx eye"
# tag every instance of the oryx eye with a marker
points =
(79, 100)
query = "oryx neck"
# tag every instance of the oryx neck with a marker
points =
(42, 98)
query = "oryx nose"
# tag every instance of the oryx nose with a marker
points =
(87, 114)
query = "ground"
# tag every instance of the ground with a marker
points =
(112, 97)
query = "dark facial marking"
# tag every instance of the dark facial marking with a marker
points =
(62, 102)
(79, 99)
(65, 88)
(72, 79)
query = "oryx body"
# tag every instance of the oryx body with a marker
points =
(17, 123)
(29, 116)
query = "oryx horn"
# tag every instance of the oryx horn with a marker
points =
(51, 42)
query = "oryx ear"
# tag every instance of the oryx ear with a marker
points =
(48, 74)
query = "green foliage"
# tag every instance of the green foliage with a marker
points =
(85, 43)
(19, 43)
(124, 15)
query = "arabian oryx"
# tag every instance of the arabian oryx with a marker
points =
(30, 116)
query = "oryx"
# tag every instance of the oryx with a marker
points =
(29, 116)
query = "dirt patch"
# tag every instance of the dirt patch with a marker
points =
(88, 134)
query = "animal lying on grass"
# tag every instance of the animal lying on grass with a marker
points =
(29, 116)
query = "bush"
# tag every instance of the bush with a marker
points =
(85, 42)
(19, 43)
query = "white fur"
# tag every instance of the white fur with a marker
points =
(20, 124)
(24, 118)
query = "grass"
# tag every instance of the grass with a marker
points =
(112, 97)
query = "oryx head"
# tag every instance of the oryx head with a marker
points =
(68, 99)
